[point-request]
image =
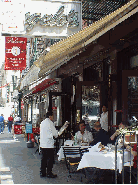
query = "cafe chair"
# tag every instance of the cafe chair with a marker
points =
(84, 150)
(72, 158)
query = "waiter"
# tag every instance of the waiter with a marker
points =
(47, 134)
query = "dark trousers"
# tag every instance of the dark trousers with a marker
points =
(47, 160)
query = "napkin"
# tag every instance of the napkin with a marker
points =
(95, 148)
(68, 143)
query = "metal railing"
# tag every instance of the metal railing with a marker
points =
(123, 148)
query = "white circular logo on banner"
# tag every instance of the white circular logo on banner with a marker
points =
(15, 51)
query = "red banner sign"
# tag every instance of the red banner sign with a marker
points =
(15, 53)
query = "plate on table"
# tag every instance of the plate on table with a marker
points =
(84, 144)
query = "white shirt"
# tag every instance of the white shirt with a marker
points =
(104, 121)
(47, 131)
(87, 136)
(17, 119)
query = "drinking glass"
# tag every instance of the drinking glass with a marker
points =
(109, 145)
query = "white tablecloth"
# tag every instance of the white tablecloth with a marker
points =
(67, 143)
(102, 160)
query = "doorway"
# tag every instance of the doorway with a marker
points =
(129, 95)
(60, 104)
(88, 101)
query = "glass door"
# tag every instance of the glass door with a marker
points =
(91, 103)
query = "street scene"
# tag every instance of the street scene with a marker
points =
(68, 91)
(21, 165)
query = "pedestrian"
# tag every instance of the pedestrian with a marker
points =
(17, 120)
(10, 122)
(47, 134)
(1, 124)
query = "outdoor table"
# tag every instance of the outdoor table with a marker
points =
(68, 143)
(102, 160)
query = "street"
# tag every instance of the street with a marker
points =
(20, 165)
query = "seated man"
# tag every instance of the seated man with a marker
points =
(101, 135)
(83, 135)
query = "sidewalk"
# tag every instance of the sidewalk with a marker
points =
(24, 164)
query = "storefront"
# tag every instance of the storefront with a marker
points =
(96, 66)
(92, 60)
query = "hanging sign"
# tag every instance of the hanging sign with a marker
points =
(15, 53)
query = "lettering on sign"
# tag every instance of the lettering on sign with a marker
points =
(59, 19)
(15, 53)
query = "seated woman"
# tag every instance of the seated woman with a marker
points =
(114, 136)
(83, 135)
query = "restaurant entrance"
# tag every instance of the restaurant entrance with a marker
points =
(129, 95)
(60, 103)
(88, 101)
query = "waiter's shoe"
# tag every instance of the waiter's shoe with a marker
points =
(42, 174)
(51, 175)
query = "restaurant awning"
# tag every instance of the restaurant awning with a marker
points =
(61, 52)
(43, 85)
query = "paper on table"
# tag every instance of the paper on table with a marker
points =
(68, 142)
(95, 148)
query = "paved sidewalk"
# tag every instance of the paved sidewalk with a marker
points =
(23, 165)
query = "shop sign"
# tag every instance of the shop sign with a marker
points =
(37, 18)
(28, 128)
(15, 53)
(22, 105)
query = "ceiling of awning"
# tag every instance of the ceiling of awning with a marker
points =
(93, 10)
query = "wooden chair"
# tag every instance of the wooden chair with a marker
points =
(73, 157)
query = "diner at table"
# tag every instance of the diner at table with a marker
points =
(100, 156)
(101, 135)
(83, 136)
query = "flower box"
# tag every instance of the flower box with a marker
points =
(130, 139)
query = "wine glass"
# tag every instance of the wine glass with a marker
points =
(109, 145)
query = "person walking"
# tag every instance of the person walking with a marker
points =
(47, 134)
(10, 122)
(17, 120)
(1, 124)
